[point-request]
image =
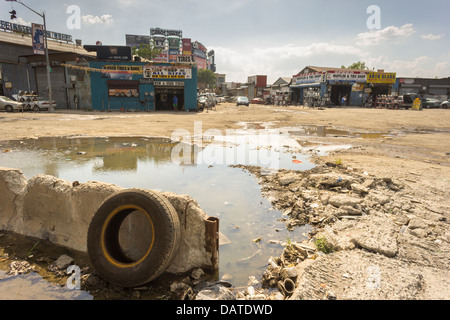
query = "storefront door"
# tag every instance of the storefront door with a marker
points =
(164, 98)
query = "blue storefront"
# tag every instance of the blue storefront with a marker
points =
(140, 86)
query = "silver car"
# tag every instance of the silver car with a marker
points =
(9, 105)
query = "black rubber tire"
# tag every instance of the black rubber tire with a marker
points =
(104, 250)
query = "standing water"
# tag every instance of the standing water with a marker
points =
(231, 194)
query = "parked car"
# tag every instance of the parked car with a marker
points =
(257, 101)
(242, 100)
(445, 104)
(42, 105)
(430, 103)
(9, 104)
(220, 99)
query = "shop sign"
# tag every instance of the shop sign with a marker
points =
(129, 93)
(357, 86)
(158, 72)
(146, 81)
(169, 83)
(9, 26)
(185, 58)
(381, 77)
(122, 69)
(305, 78)
(346, 76)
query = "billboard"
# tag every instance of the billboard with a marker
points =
(136, 40)
(163, 56)
(173, 54)
(159, 42)
(201, 63)
(187, 46)
(174, 43)
(38, 38)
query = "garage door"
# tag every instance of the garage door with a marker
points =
(58, 78)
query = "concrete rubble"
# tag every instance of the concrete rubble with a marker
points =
(372, 239)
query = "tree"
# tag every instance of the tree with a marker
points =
(357, 66)
(207, 77)
(146, 51)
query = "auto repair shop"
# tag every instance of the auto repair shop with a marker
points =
(130, 85)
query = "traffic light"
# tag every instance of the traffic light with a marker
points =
(13, 14)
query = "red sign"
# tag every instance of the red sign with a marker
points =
(187, 46)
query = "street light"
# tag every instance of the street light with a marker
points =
(49, 81)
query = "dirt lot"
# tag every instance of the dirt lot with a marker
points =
(400, 174)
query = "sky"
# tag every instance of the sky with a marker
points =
(277, 38)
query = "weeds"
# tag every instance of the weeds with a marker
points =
(323, 245)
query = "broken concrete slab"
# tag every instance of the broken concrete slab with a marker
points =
(340, 200)
(49, 208)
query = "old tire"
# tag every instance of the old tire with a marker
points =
(160, 243)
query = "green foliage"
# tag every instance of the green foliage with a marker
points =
(146, 51)
(323, 245)
(357, 66)
(207, 77)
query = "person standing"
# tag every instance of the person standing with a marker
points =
(175, 103)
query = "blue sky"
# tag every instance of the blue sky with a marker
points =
(276, 38)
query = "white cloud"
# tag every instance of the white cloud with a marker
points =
(20, 21)
(281, 61)
(373, 38)
(104, 19)
(432, 37)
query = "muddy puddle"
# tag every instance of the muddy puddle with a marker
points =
(204, 172)
(328, 131)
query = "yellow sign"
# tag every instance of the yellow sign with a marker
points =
(124, 69)
(417, 104)
(381, 77)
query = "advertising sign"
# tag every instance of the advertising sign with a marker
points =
(136, 40)
(381, 77)
(201, 63)
(174, 43)
(173, 54)
(163, 56)
(38, 38)
(315, 77)
(199, 53)
(346, 76)
(160, 72)
(159, 42)
(187, 46)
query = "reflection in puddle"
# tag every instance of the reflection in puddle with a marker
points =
(231, 194)
(32, 286)
(326, 131)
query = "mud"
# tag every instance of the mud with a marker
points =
(380, 209)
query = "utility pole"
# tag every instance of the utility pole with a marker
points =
(49, 81)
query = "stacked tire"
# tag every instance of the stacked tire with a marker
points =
(29, 100)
